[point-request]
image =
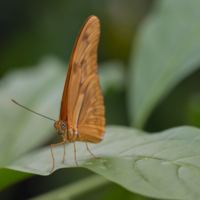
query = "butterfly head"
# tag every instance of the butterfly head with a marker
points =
(61, 127)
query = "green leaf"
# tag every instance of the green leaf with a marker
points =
(164, 165)
(76, 189)
(40, 89)
(112, 75)
(9, 177)
(167, 50)
(95, 186)
(119, 193)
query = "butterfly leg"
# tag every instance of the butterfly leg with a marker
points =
(75, 151)
(64, 153)
(52, 153)
(83, 136)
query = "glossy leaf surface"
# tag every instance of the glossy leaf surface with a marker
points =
(164, 165)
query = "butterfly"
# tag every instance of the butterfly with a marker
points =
(82, 112)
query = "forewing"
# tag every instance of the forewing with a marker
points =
(82, 102)
(81, 55)
(84, 67)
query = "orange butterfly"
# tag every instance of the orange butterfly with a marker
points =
(82, 113)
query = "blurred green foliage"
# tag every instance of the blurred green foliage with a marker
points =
(30, 30)
(167, 50)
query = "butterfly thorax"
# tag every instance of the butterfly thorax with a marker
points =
(67, 132)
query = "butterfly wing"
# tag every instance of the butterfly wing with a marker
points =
(64, 101)
(82, 103)
(91, 122)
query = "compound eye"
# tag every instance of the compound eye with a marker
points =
(63, 126)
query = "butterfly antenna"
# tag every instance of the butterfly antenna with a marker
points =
(31, 110)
